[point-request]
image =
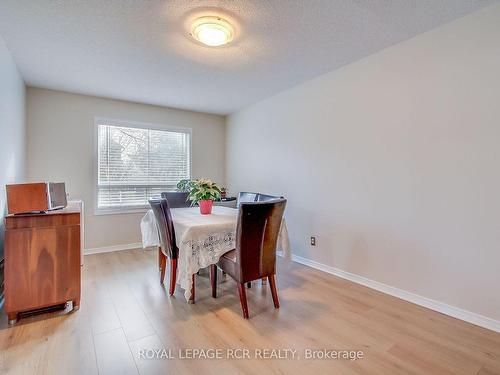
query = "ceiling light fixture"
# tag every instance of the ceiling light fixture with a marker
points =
(212, 31)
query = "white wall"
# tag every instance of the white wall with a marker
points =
(392, 162)
(60, 135)
(12, 129)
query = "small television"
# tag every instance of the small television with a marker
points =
(35, 197)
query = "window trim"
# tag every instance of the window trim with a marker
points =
(137, 125)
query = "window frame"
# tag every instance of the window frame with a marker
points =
(99, 120)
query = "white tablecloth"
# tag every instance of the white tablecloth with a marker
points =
(201, 239)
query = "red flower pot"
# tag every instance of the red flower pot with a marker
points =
(206, 206)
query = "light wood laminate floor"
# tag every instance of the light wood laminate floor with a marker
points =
(125, 310)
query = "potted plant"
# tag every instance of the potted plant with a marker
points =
(204, 192)
(184, 186)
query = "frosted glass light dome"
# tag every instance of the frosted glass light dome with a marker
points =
(212, 31)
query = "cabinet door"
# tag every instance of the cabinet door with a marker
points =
(16, 269)
(67, 270)
(42, 266)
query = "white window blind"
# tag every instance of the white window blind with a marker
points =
(137, 163)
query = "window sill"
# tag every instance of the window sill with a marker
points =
(120, 211)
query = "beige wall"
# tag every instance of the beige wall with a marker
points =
(60, 136)
(12, 129)
(392, 162)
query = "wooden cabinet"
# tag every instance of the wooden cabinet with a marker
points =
(42, 260)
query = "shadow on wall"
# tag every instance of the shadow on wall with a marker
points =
(3, 211)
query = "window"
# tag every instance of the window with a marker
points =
(136, 162)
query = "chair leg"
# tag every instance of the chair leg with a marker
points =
(159, 258)
(163, 266)
(213, 279)
(243, 299)
(173, 275)
(191, 298)
(274, 292)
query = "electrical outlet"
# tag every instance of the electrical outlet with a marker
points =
(313, 241)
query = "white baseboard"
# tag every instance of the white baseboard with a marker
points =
(441, 307)
(107, 249)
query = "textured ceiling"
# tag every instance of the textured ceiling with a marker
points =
(140, 50)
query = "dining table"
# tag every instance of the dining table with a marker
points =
(202, 239)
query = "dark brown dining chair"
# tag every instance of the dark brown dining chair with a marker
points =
(245, 196)
(255, 254)
(176, 199)
(168, 247)
(264, 197)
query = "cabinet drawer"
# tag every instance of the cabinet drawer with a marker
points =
(44, 220)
